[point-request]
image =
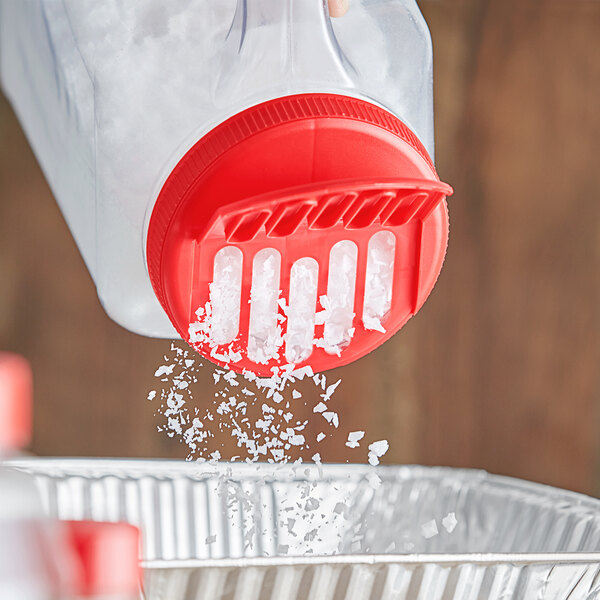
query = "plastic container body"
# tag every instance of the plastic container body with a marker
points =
(113, 94)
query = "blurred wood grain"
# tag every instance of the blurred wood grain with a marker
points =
(500, 369)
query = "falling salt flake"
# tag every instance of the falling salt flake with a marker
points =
(316, 458)
(303, 372)
(296, 440)
(211, 539)
(377, 450)
(373, 479)
(277, 397)
(327, 395)
(320, 437)
(311, 504)
(278, 453)
(231, 378)
(332, 418)
(354, 437)
(449, 522)
(152, 395)
(319, 408)
(247, 392)
(296, 394)
(373, 324)
(429, 529)
(340, 508)
(164, 370)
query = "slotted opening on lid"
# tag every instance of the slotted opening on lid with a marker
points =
(243, 228)
(225, 295)
(339, 309)
(287, 219)
(332, 210)
(301, 310)
(264, 336)
(407, 209)
(379, 279)
(370, 210)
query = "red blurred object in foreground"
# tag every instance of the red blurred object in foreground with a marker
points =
(16, 398)
(106, 558)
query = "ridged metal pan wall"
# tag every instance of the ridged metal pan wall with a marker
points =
(251, 532)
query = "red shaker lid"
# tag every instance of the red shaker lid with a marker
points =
(297, 175)
(16, 398)
(106, 558)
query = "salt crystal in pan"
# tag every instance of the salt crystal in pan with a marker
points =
(429, 529)
(449, 522)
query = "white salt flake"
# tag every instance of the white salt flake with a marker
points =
(373, 479)
(429, 529)
(327, 395)
(354, 437)
(449, 522)
(296, 440)
(377, 450)
(164, 370)
(312, 504)
(332, 418)
(373, 324)
(320, 437)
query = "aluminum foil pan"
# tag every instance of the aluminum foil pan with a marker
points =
(349, 532)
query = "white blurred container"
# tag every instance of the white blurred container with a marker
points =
(401, 533)
(27, 569)
(112, 94)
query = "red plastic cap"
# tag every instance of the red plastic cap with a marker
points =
(105, 557)
(296, 176)
(16, 399)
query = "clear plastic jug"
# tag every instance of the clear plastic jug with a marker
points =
(170, 132)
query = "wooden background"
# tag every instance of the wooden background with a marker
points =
(500, 368)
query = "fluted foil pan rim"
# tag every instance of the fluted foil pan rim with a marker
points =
(170, 469)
